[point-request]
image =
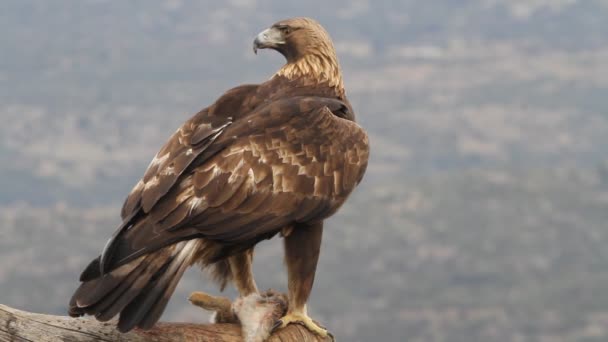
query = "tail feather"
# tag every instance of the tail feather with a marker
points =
(138, 290)
(157, 309)
(124, 293)
(148, 306)
(93, 291)
(92, 271)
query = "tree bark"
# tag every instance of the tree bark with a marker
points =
(16, 325)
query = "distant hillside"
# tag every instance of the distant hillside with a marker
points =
(482, 216)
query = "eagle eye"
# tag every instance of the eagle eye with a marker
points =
(285, 29)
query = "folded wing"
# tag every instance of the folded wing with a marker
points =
(235, 182)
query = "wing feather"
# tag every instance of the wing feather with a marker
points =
(174, 163)
(272, 167)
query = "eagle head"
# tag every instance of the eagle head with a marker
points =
(307, 47)
(295, 38)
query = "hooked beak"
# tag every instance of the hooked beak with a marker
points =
(268, 39)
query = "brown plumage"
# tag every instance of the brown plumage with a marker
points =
(280, 156)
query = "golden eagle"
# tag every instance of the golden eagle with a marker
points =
(264, 159)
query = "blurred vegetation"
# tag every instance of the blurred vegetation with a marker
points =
(483, 213)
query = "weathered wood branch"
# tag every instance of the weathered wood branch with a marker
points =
(17, 325)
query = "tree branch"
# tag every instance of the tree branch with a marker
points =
(17, 325)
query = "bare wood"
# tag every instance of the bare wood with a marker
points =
(17, 325)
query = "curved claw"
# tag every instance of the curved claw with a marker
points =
(277, 325)
(302, 319)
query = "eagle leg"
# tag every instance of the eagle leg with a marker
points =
(236, 268)
(242, 274)
(302, 247)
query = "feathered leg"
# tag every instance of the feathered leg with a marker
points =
(241, 266)
(302, 247)
(237, 268)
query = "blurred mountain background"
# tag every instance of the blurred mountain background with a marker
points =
(484, 212)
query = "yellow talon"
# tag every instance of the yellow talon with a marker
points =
(303, 319)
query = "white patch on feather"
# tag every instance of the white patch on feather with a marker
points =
(169, 170)
(151, 183)
(236, 172)
(214, 169)
(217, 171)
(194, 203)
(158, 160)
(138, 186)
(185, 195)
(185, 252)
